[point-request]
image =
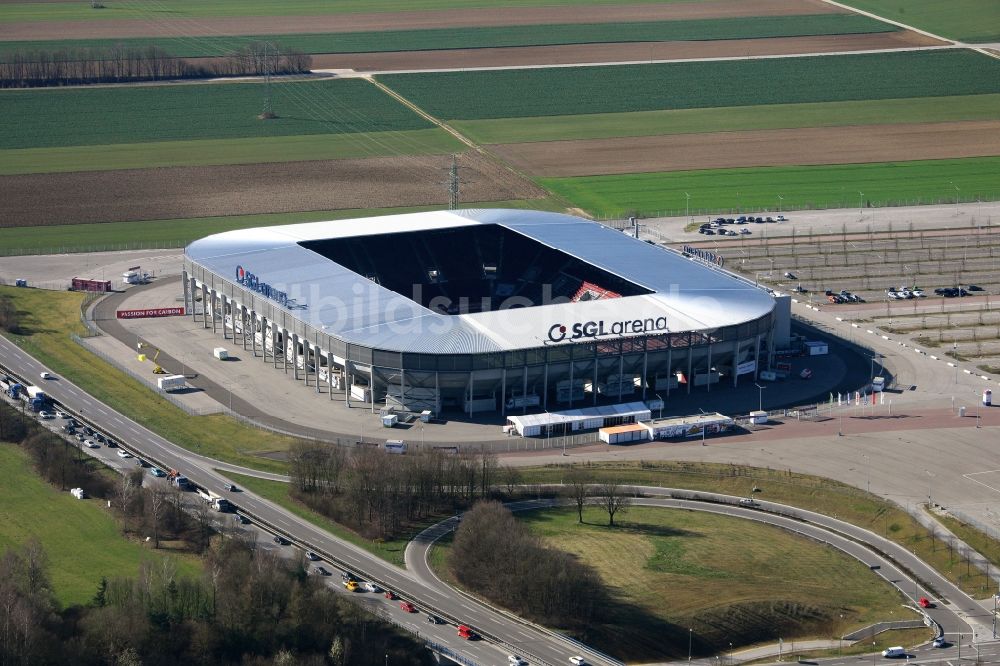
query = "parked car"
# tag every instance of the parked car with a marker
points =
(280, 540)
(408, 607)
(372, 587)
(321, 571)
(62, 415)
(770, 219)
(782, 218)
(46, 415)
(790, 276)
(577, 660)
(973, 287)
(122, 453)
(91, 444)
(311, 556)
(157, 472)
(745, 231)
(515, 660)
(919, 293)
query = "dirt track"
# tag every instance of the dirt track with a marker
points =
(279, 25)
(813, 145)
(150, 194)
(618, 52)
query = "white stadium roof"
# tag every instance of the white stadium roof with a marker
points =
(686, 294)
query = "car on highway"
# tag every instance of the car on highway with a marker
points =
(231, 487)
(46, 415)
(466, 632)
(88, 430)
(351, 586)
(939, 642)
(62, 415)
(389, 594)
(157, 472)
(925, 603)
(515, 660)
(281, 541)
(577, 660)
(408, 607)
(122, 453)
(311, 556)
(70, 430)
(372, 587)
(894, 652)
(434, 619)
(321, 571)
(749, 501)
(91, 444)
(346, 576)
(46, 375)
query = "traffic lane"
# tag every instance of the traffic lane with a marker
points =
(522, 637)
(954, 599)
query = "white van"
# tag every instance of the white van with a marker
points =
(897, 651)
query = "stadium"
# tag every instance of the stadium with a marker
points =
(481, 311)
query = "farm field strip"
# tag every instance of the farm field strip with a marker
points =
(494, 36)
(145, 234)
(728, 119)
(609, 89)
(802, 187)
(965, 20)
(140, 114)
(226, 151)
(723, 150)
(185, 9)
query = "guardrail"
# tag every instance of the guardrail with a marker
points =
(302, 543)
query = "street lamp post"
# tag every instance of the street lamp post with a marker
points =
(760, 397)
(690, 632)
(861, 203)
(660, 398)
(687, 206)
(781, 200)
(874, 652)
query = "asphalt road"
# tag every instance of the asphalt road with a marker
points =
(955, 612)
(538, 646)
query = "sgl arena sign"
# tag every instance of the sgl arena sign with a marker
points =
(601, 329)
(253, 283)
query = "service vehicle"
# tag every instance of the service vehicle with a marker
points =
(897, 651)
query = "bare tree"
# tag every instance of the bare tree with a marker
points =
(511, 478)
(613, 498)
(579, 486)
(157, 505)
(125, 494)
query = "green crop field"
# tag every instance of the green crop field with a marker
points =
(965, 20)
(610, 89)
(81, 538)
(728, 119)
(831, 186)
(497, 36)
(157, 234)
(226, 151)
(168, 11)
(137, 114)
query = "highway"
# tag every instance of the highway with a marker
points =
(537, 646)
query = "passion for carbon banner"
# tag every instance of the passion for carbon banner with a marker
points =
(150, 312)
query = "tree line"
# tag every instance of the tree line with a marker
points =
(247, 607)
(24, 68)
(499, 558)
(379, 495)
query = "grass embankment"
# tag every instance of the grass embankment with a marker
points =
(187, 9)
(81, 538)
(731, 119)
(49, 317)
(280, 493)
(801, 187)
(982, 543)
(813, 493)
(746, 27)
(730, 580)
(58, 239)
(207, 152)
(45, 118)
(964, 20)
(689, 85)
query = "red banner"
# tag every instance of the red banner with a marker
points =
(151, 312)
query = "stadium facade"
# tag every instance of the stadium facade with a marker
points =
(479, 311)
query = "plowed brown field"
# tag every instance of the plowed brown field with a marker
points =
(831, 145)
(458, 18)
(618, 52)
(149, 194)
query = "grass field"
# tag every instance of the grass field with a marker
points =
(752, 27)
(82, 539)
(278, 492)
(729, 119)
(730, 580)
(180, 9)
(226, 151)
(614, 89)
(814, 493)
(751, 189)
(138, 114)
(50, 316)
(965, 20)
(59, 239)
